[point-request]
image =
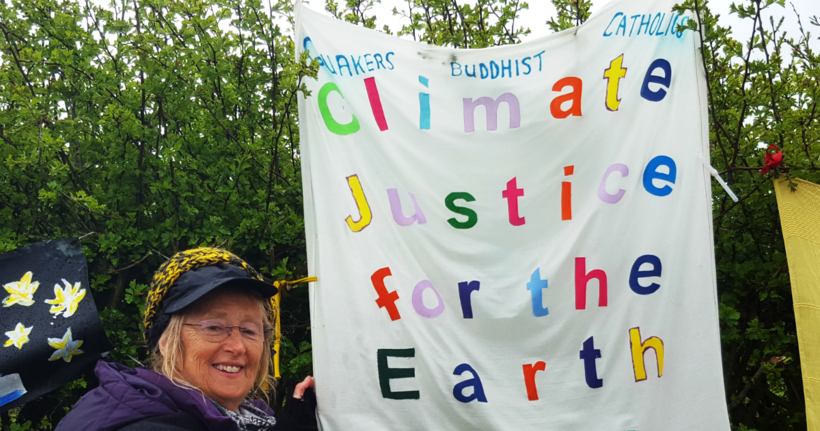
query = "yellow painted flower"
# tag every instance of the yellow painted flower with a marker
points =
(18, 336)
(66, 347)
(21, 292)
(67, 299)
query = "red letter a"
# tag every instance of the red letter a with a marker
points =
(574, 109)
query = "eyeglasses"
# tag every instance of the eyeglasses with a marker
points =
(217, 331)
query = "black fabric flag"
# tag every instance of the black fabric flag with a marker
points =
(50, 331)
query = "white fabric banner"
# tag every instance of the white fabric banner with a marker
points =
(513, 238)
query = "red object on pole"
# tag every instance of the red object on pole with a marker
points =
(772, 160)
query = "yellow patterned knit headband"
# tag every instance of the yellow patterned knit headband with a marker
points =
(182, 262)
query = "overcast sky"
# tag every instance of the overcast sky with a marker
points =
(540, 12)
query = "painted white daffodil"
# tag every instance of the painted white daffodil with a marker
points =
(66, 347)
(21, 292)
(18, 336)
(67, 299)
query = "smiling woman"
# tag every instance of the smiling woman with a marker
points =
(208, 324)
(223, 363)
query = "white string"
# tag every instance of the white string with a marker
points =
(87, 235)
(715, 174)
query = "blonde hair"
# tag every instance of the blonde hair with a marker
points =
(168, 363)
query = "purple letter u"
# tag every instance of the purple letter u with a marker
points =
(398, 215)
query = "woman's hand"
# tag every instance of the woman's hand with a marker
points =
(300, 388)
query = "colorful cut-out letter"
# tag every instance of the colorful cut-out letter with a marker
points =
(613, 77)
(566, 194)
(398, 215)
(665, 80)
(333, 125)
(582, 279)
(652, 173)
(639, 349)
(589, 354)
(491, 106)
(375, 102)
(602, 193)
(475, 383)
(418, 300)
(512, 194)
(465, 289)
(424, 106)
(636, 274)
(386, 299)
(386, 373)
(536, 286)
(575, 97)
(472, 217)
(529, 378)
(365, 216)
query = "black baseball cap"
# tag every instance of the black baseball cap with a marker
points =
(196, 283)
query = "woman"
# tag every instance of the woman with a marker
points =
(207, 323)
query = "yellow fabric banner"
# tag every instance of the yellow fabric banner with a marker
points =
(800, 219)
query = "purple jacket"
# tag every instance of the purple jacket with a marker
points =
(128, 395)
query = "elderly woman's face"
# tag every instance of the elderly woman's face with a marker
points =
(224, 371)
